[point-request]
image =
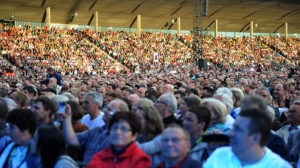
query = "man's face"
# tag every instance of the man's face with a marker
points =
(81, 95)
(65, 86)
(175, 145)
(52, 82)
(278, 90)
(243, 83)
(264, 94)
(167, 88)
(206, 82)
(161, 106)
(39, 111)
(102, 91)
(83, 87)
(273, 84)
(51, 72)
(31, 95)
(88, 104)
(293, 115)
(239, 136)
(257, 84)
(295, 96)
(109, 88)
(183, 108)
(111, 108)
(17, 136)
(43, 86)
(125, 93)
(142, 91)
(133, 98)
(178, 98)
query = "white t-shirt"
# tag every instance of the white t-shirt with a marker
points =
(224, 157)
(229, 121)
(97, 122)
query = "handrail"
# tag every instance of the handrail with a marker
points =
(105, 28)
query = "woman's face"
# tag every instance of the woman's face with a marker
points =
(292, 87)
(190, 123)
(214, 116)
(121, 134)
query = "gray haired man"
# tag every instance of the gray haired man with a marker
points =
(92, 103)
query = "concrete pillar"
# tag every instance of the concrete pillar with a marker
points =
(251, 29)
(48, 17)
(139, 25)
(235, 35)
(178, 25)
(216, 30)
(96, 21)
(286, 30)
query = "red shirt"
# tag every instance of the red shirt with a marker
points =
(133, 157)
(162, 165)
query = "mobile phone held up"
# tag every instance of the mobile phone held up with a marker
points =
(61, 108)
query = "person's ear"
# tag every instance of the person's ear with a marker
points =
(256, 138)
(201, 125)
(134, 136)
(98, 104)
(48, 112)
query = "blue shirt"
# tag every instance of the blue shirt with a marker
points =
(93, 141)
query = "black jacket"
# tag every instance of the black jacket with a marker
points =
(277, 145)
(56, 76)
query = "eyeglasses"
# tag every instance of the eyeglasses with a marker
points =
(109, 111)
(115, 127)
(174, 140)
(157, 102)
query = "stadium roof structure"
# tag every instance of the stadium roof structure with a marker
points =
(233, 15)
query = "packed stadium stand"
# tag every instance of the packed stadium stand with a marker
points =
(81, 87)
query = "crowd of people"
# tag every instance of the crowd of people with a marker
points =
(149, 114)
(64, 49)
(139, 52)
(240, 50)
(85, 51)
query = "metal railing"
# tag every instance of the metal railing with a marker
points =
(104, 28)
